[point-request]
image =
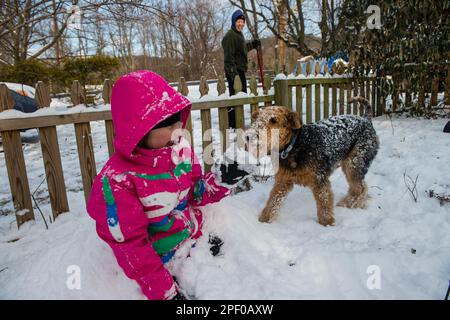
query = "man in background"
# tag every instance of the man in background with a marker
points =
(235, 50)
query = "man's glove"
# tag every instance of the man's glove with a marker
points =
(215, 243)
(256, 43)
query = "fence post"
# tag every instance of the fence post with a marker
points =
(106, 94)
(349, 96)
(77, 94)
(334, 99)
(240, 121)
(204, 88)
(84, 144)
(237, 84)
(6, 99)
(184, 90)
(268, 85)
(52, 157)
(281, 93)
(317, 102)
(205, 115)
(308, 68)
(254, 91)
(107, 89)
(223, 115)
(182, 87)
(15, 164)
(326, 100)
(221, 86)
(308, 103)
(341, 98)
(317, 68)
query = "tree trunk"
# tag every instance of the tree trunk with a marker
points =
(281, 45)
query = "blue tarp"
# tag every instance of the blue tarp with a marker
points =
(23, 103)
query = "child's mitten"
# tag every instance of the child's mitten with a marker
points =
(229, 172)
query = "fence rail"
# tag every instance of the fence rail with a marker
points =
(94, 92)
(314, 98)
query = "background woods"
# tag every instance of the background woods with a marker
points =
(57, 41)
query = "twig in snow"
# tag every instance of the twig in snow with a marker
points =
(42, 215)
(411, 185)
(37, 206)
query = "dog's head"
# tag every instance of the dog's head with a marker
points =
(271, 130)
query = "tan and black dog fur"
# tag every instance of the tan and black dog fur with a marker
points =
(317, 150)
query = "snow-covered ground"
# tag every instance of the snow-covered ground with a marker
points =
(407, 243)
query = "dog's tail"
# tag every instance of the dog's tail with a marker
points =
(368, 111)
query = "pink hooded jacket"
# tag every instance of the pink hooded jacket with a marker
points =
(145, 202)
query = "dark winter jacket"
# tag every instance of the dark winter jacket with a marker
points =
(235, 48)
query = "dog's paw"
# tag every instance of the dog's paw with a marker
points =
(353, 202)
(344, 202)
(327, 221)
(266, 217)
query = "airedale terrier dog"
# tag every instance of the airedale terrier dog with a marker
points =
(309, 154)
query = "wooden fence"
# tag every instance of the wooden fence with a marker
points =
(319, 98)
(314, 98)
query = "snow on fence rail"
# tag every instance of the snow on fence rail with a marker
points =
(295, 93)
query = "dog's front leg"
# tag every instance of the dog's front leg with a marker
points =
(324, 202)
(279, 192)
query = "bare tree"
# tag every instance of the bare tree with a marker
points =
(329, 25)
(285, 19)
(30, 29)
(199, 29)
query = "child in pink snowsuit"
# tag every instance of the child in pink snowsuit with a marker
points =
(145, 201)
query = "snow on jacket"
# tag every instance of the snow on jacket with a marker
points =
(145, 201)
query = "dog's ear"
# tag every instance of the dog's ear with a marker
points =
(255, 114)
(293, 120)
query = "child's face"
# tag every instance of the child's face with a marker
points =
(161, 137)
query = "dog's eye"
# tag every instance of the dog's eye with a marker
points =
(273, 120)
